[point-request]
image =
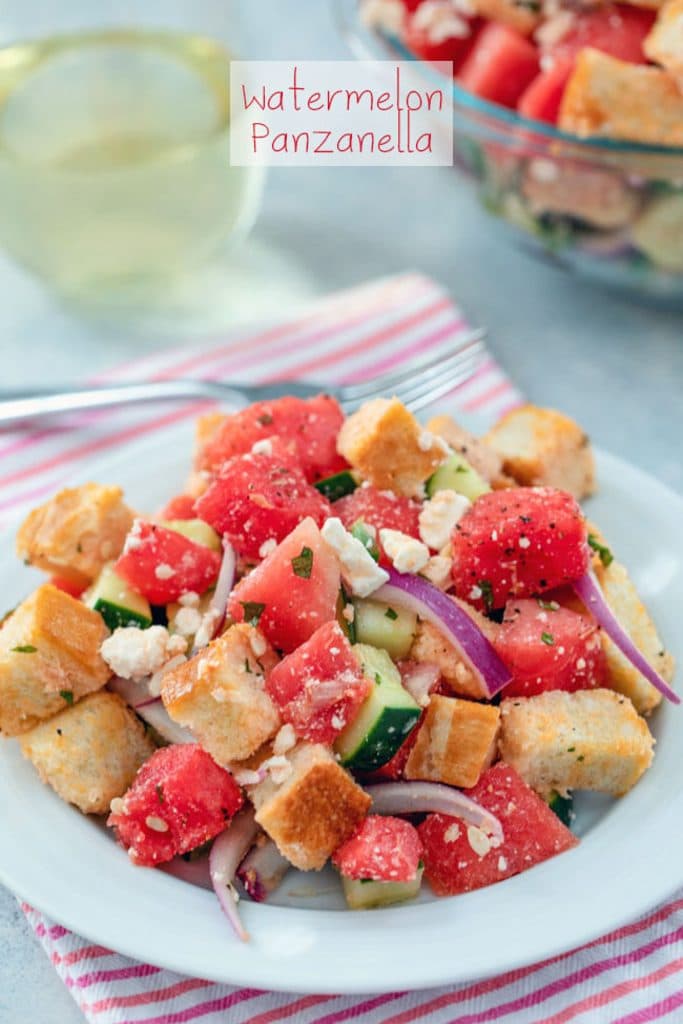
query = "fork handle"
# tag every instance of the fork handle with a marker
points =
(17, 406)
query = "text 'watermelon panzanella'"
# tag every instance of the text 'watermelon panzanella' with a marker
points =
(393, 647)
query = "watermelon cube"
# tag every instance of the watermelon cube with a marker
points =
(500, 65)
(179, 800)
(311, 425)
(259, 498)
(293, 591)
(547, 647)
(459, 858)
(320, 686)
(382, 849)
(381, 510)
(162, 564)
(541, 99)
(518, 542)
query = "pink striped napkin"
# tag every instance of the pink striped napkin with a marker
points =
(631, 976)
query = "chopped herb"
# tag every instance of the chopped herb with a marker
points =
(378, 679)
(302, 565)
(253, 610)
(79, 548)
(59, 732)
(159, 789)
(68, 696)
(529, 5)
(265, 419)
(365, 881)
(391, 614)
(548, 639)
(548, 606)
(606, 556)
(461, 469)
(570, 750)
(580, 757)
(486, 593)
(25, 649)
(247, 666)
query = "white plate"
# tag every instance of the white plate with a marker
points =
(69, 867)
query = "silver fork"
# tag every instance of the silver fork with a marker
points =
(417, 383)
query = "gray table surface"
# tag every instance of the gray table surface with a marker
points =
(616, 365)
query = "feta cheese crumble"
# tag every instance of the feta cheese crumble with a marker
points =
(134, 653)
(264, 447)
(359, 570)
(405, 553)
(186, 621)
(438, 571)
(439, 516)
(285, 740)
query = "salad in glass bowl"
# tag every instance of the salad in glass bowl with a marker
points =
(569, 117)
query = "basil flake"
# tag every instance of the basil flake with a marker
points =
(253, 610)
(302, 565)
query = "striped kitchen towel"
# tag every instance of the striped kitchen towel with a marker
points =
(632, 976)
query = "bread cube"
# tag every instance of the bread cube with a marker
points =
(664, 44)
(620, 100)
(590, 739)
(220, 694)
(456, 742)
(389, 448)
(314, 810)
(431, 646)
(596, 195)
(75, 533)
(521, 15)
(89, 753)
(49, 658)
(625, 602)
(542, 447)
(480, 455)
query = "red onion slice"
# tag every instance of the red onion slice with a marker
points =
(194, 872)
(224, 584)
(227, 852)
(150, 709)
(588, 590)
(262, 871)
(419, 678)
(431, 797)
(422, 597)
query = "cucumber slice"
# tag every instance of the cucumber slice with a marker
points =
(562, 806)
(118, 605)
(362, 532)
(456, 474)
(382, 625)
(348, 625)
(337, 486)
(196, 530)
(364, 893)
(385, 718)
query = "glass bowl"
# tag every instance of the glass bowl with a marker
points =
(611, 212)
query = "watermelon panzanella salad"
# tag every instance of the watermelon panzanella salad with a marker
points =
(395, 647)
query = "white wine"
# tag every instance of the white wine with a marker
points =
(114, 158)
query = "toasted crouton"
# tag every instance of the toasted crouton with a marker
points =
(49, 658)
(90, 753)
(596, 195)
(220, 694)
(314, 810)
(625, 602)
(620, 100)
(76, 532)
(431, 646)
(478, 453)
(456, 742)
(542, 447)
(664, 44)
(522, 15)
(591, 739)
(389, 448)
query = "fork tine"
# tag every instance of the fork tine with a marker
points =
(424, 395)
(385, 383)
(449, 372)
